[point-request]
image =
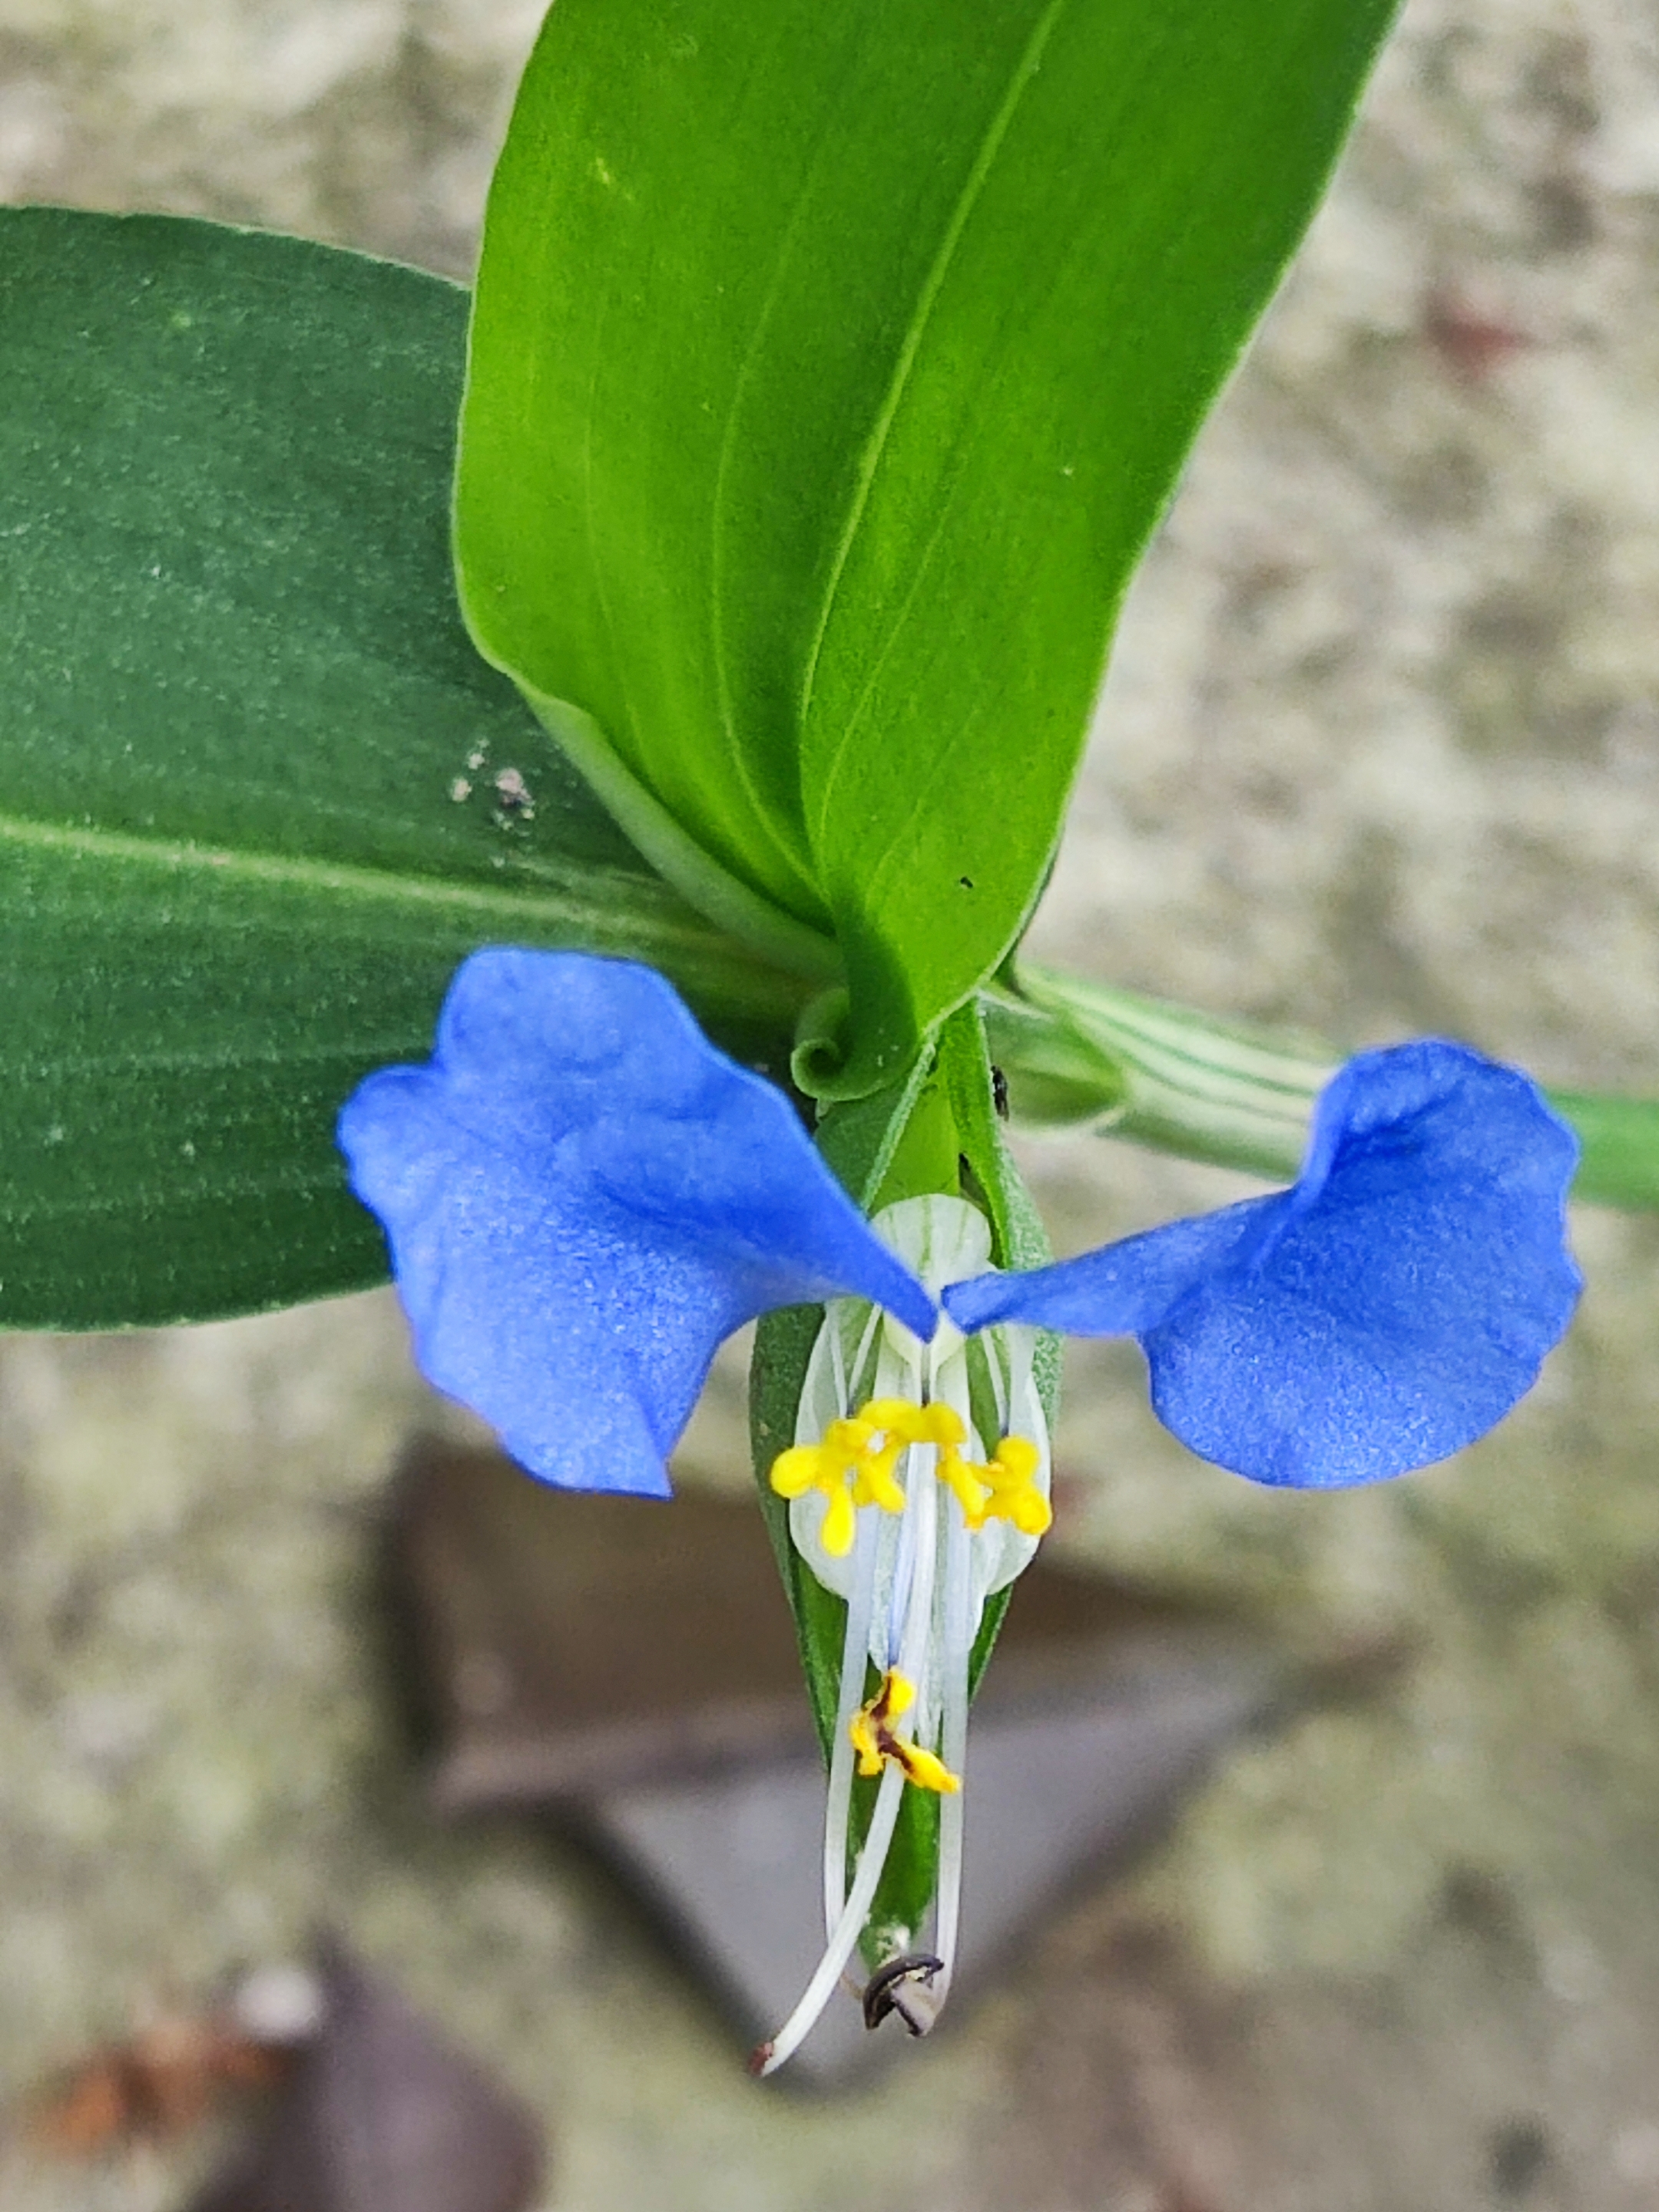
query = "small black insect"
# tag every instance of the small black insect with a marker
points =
(1000, 1092)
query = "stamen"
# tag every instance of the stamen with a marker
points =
(874, 1483)
(854, 1662)
(959, 1619)
(889, 1422)
(1014, 1495)
(896, 1757)
(954, 1661)
(910, 1617)
(1003, 1489)
(886, 1369)
(970, 1494)
(767, 2058)
(853, 1466)
(875, 1738)
(931, 1423)
(902, 1423)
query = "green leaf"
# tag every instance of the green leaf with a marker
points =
(830, 368)
(249, 813)
(1078, 1053)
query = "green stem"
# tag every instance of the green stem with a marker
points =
(1081, 1054)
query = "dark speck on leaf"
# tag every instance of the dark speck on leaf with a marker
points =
(514, 800)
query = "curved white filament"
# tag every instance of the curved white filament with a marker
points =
(873, 1859)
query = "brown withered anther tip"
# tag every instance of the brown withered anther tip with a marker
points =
(901, 1986)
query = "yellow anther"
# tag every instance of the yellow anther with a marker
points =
(840, 1523)
(875, 1738)
(898, 1416)
(854, 1464)
(875, 1484)
(831, 1466)
(933, 1424)
(971, 1494)
(836, 1459)
(1014, 1495)
(1004, 1490)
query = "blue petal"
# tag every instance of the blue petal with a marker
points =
(1384, 1313)
(582, 1198)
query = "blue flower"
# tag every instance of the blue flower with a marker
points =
(583, 1198)
(1383, 1312)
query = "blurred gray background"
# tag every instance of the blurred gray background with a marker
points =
(1380, 753)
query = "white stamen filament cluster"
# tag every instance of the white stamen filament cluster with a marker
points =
(915, 1583)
